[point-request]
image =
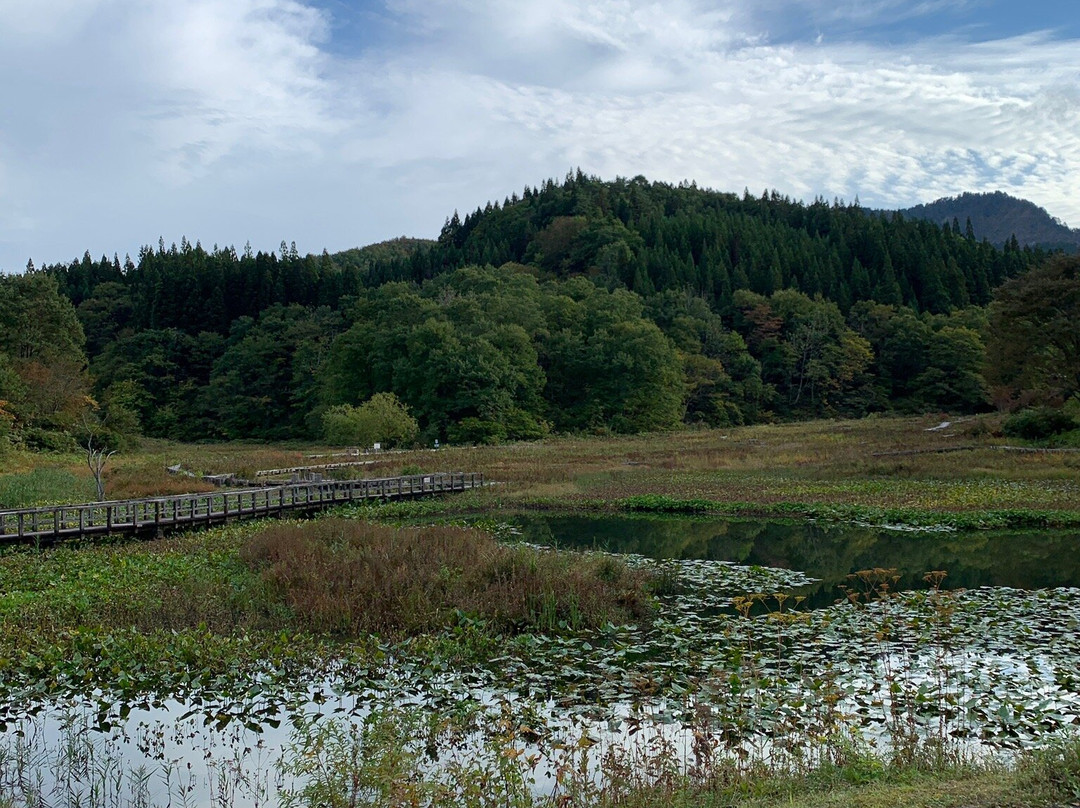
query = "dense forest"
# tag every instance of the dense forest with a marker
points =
(581, 305)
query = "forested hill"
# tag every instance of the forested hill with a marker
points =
(641, 236)
(579, 305)
(649, 237)
(999, 218)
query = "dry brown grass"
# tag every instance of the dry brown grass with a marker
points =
(138, 480)
(352, 578)
(827, 462)
(841, 462)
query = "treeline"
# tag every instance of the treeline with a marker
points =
(645, 237)
(581, 305)
(650, 237)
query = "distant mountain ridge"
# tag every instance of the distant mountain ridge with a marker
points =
(997, 217)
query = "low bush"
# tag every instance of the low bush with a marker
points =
(47, 440)
(1039, 423)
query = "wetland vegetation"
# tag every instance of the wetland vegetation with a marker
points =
(483, 670)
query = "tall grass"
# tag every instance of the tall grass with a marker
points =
(385, 760)
(44, 486)
(136, 480)
(354, 578)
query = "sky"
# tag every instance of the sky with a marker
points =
(336, 124)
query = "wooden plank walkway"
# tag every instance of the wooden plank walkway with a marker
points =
(158, 514)
(320, 467)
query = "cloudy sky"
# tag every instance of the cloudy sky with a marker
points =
(337, 123)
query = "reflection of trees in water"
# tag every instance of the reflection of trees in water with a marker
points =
(1021, 559)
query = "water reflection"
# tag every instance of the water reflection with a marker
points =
(1019, 559)
(1008, 658)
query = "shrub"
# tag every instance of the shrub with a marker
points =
(476, 431)
(48, 440)
(381, 419)
(1039, 423)
(521, 425)
(6, 421)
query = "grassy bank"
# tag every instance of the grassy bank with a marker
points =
(381, 763)
(874, 470)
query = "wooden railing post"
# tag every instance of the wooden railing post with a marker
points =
(202, 508)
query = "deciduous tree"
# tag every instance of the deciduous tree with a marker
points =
(381, 419)
(1034, 334)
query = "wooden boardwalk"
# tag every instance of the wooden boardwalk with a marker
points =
(158, 514)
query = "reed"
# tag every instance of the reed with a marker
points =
(351, 578)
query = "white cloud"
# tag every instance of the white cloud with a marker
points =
(42, 22)
(894, 127)
(115, 105)
(243, 119)
(217, 77)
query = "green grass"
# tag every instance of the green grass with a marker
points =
(44, 486)
(213, 612)
(872, 470)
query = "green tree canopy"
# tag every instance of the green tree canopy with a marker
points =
(1034, 334)
(382, 419)
(43, 376)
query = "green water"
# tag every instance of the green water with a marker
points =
(829, 552)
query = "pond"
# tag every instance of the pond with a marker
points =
(827, 552)
(730, 657)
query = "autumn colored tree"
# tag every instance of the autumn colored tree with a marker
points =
(44, 375)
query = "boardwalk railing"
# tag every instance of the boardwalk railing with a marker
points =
(185, 510)
(320, 467)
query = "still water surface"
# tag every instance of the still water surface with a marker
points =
(829, 552)
(1008, 658)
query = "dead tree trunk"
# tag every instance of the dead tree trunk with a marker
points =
(96, 458)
